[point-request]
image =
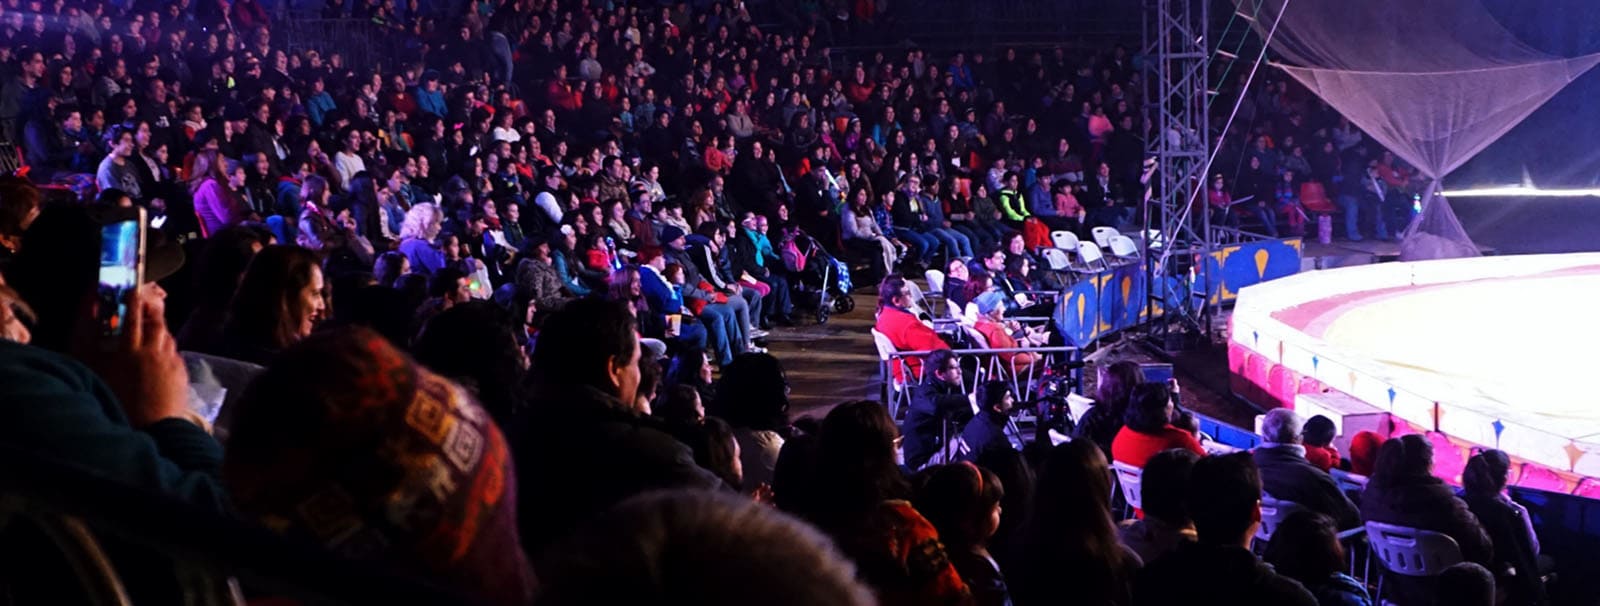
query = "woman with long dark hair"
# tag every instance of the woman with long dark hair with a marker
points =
(1403, 491)
(858, 496)
(1516, 545)
(1113, 387)
(1071, 542)
(279, 301)
(212, 186)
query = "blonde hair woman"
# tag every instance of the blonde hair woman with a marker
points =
(417, 233)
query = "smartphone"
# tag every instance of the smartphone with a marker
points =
(122, 242)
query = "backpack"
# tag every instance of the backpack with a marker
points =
(793, 259)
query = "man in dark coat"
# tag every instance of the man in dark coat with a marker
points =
(1288, 476)
(988, 428)
(1224, 499)
(584, 446)
(938, 406)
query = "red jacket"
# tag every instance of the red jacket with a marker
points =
(1135, 448)
(907, 333)
(1324, 457)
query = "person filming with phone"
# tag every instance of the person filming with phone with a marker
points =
(103, 386)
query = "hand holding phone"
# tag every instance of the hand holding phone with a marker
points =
(141, 364)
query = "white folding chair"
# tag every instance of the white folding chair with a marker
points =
(935, 280)
(953, 309)
(1088, 255)
(1124, 248)
(1064, 239)
(1154, 237)
(893, 388)
(1102, 235)
(1273, 513)
(1410, 552)
(1128, 478)
(1057, 260)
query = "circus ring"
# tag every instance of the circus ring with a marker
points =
(1492, 352)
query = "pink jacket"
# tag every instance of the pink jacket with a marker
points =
(216, 207)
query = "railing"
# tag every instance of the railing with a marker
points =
(365, 45)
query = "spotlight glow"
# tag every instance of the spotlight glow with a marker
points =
(1522, 191)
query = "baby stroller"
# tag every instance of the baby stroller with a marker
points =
(817, 271)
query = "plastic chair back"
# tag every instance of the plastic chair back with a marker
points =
(954, 310)
(1102, 235)
(935, 280)
(1410, 551)
(977, 337)
(1273, 513)
(1348, 482)
(1057, 259)
(885, 346)
(1064, 239)
(1123, 246)
(1128, 477)
(1089, 254)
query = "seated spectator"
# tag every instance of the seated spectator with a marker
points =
(1510, 528)
(582, 431)
(856, 494)
(1069, 547)
(213, 184)
(863, 237)
(472, 344)
(624, 555)
(939, 406)
(417, 234)
(962, 501)
(1113, 386)
(679, 406)
(1317, 436)
(987, 429)
(280, 300)
(1364, 448)
(753, 397)
(536, 274)
(717, 450)
(127, 421)
(664, 296)
(1466, 584)
(998, 332)
(1403, 491)
(312, 427)
(903, 329)
(1148, 427)
(1161, 489)
(1224, 498)
(1017, 477)
(955, 282)
(1286, 475)
(1305, 547)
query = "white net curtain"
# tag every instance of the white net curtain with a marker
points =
(1434, 81)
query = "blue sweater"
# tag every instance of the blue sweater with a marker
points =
(431, 103)
(54, 407)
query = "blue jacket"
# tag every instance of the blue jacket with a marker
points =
(662, 296)
(430, 103)
(425, 259)
(318, 106)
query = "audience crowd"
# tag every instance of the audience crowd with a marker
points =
(494, 317)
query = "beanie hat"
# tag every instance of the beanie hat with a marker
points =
(347, 443)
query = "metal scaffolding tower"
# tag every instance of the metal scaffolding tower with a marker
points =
(1179, 145)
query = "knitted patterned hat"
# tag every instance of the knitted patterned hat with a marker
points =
(346, 442)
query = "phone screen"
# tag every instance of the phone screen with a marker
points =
(121, 271)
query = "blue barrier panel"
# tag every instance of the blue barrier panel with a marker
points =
(1114, 299)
